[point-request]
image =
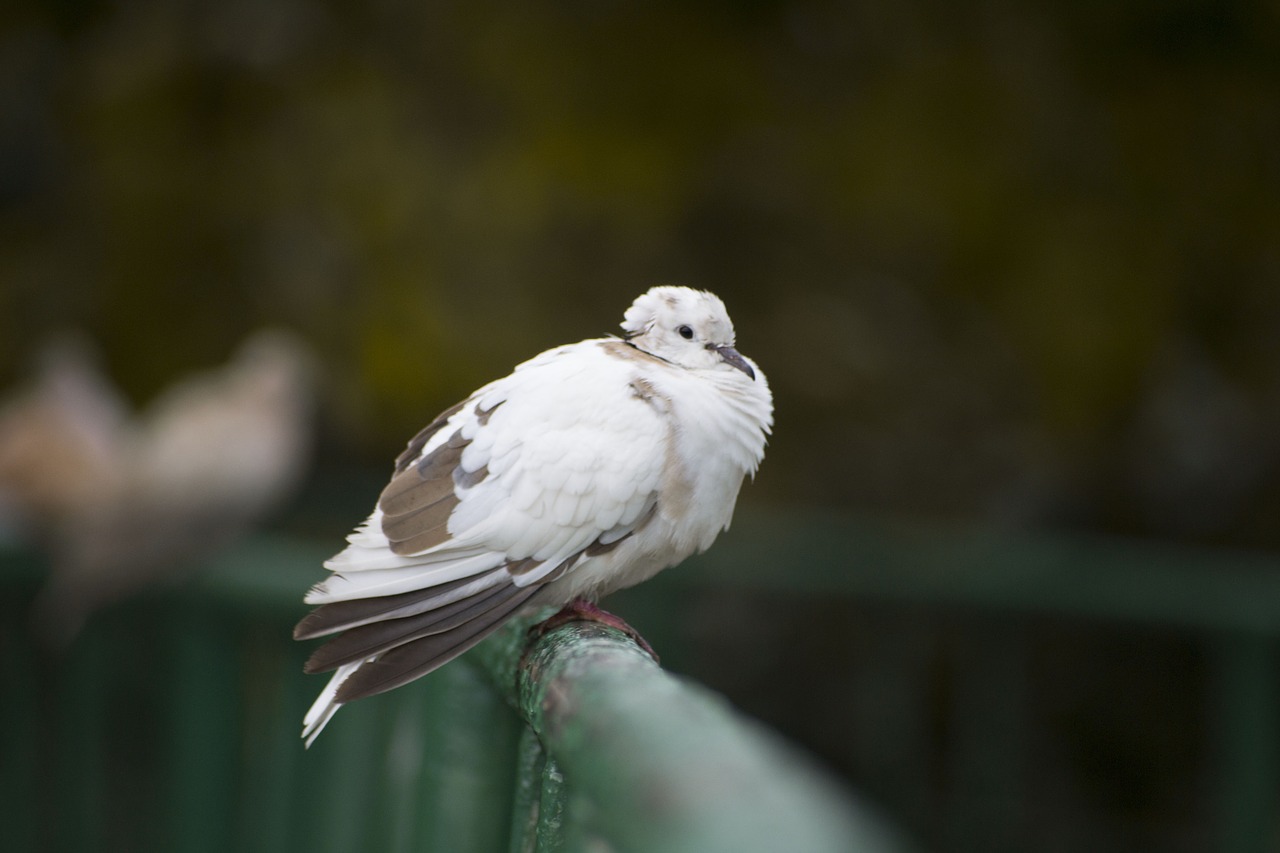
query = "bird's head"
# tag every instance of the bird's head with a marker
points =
(687, 327)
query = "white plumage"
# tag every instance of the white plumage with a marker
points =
(590, 468)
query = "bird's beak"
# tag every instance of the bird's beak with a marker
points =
(731, 357)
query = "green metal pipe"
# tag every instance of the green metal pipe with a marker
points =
(653, 762)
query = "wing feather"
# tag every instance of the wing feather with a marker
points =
(404, 663)
(498, 497)
(377, 582)
(365, 641)
(341, 615)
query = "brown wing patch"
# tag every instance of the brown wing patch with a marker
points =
(418, 501)
(419, 441)
(422, 494)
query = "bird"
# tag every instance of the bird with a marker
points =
(59, 437)
(199, 468)
(589, 468)
(231, 443)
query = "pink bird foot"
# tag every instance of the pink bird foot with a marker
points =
(580, 609)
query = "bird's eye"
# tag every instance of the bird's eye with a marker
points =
(685, 332)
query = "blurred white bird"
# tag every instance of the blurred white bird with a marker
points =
(207, 460)
(590, 468)
(60, 438)
(232, 441)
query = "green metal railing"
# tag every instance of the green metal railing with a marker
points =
(1227, 603)
(173, 725)
(620, 755)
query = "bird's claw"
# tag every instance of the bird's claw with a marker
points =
(580, 609)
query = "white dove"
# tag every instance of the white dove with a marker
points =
(590, 468)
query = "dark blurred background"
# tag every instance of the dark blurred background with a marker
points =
(1013, 265)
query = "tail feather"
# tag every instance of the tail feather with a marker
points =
(325, 706)
(343, 615)
(366, 641)
(416, 658)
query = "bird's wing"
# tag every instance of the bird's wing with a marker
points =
(500, 495)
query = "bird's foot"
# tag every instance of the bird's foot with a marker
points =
(580, 609)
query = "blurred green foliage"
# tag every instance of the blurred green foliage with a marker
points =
(1018, 262)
